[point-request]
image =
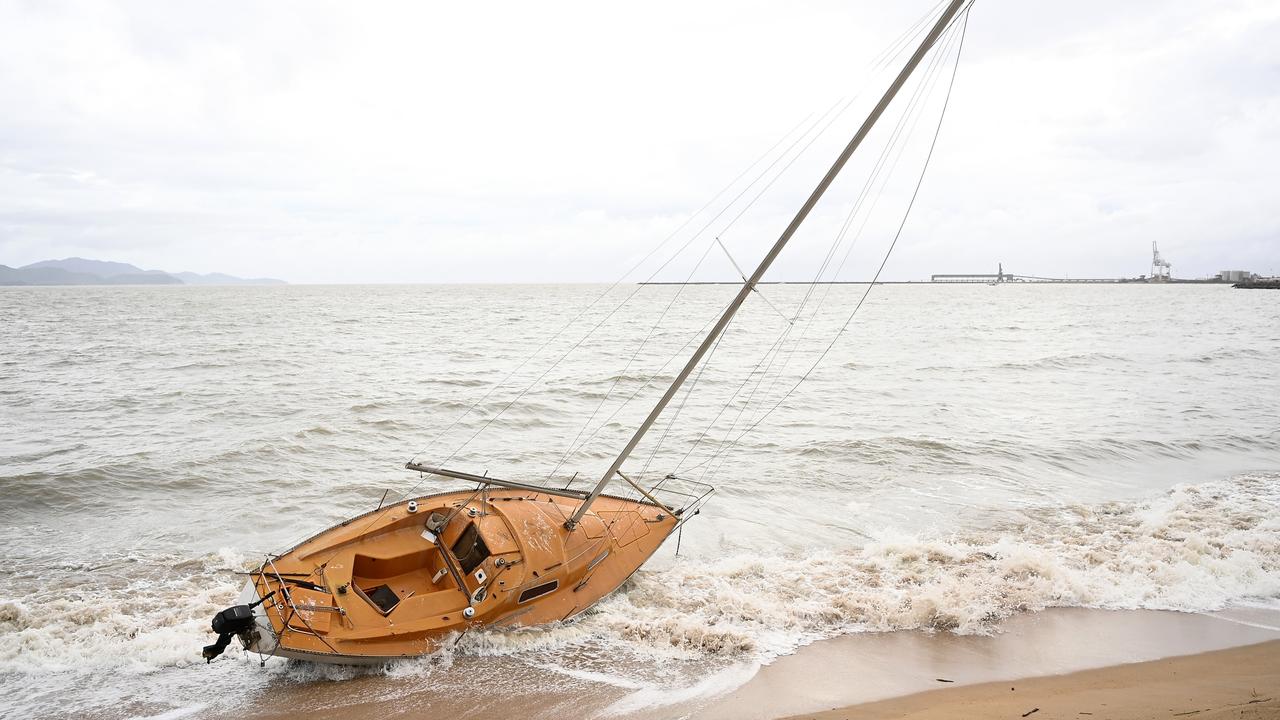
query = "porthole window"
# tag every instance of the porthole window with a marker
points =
(539, 590)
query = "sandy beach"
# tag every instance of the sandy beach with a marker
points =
(1237, 683)
(854, 670)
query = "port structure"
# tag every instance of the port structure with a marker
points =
(1161, 270)
(1003, 277)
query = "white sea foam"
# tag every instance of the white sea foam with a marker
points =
(140, 630)
(1261, 626)
(602, 678)
(716, 684)
(1195, 548)
(175, 714)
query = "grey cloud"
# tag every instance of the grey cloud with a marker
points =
(317, 143)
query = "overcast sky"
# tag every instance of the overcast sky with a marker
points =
(545, 142)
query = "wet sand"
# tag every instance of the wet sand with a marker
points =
(858, 669)
(1236, 683)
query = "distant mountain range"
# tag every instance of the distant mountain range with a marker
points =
(80, 271)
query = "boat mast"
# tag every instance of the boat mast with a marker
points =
(941, 25)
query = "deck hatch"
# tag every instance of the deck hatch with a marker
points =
(381, 597)
(470, 549)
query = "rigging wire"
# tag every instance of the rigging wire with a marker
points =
(909, 116)
(709, 358)
(771, 355)
(680, 407)
(923, 90)
(613, 286)
(964, 24)
(654, 274)
(735, 219)
(908, 35)
(648, 382)
(888, 53)
(722, 454)
(632, 294)
(755, 290)
(875, 201)
(683, 285)
(728, 226)
(570, 451)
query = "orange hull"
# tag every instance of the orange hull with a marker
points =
(379, 586)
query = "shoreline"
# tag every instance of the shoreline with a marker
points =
(854, 670)
(1241, 682)
(864, 675)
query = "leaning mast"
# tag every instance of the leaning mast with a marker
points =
(925, 46)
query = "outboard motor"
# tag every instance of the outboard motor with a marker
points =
(232, 621)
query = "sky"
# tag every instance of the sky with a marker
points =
(561, 142)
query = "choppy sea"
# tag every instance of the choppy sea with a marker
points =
(961, 455)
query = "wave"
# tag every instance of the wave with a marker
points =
(314, 430)
(1067, 361)
(80, 488)
(387, 424)
(876, 447)
(199, 365)
(628, 379)
(145, 626)
(465, 382)
(1229, 353)
(1195, 548)
(897, 450)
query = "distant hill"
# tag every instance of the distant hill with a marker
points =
(82, 271)
(101, 268)
(47, 275)
(191, 278)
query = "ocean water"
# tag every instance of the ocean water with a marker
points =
(961, 455)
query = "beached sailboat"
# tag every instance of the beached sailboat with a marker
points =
(397, 581)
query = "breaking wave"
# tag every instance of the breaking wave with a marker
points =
(1194, 548)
